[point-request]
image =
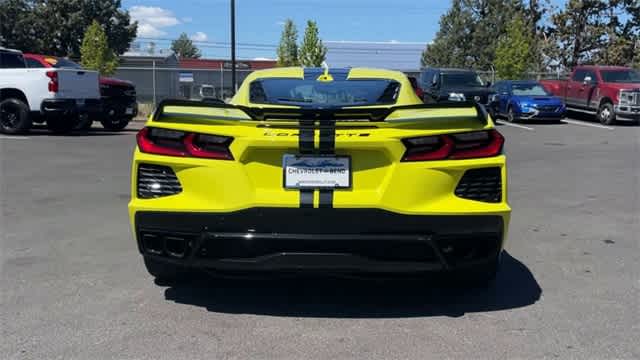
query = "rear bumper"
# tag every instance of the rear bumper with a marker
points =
(281, 239)
(119, 107)
(70, 106)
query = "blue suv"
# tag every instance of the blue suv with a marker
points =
(520, 100)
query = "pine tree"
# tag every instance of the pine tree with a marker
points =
(312, 51)
(513, 53)
(578, 30)
(288, 48)
(183, 47)
(468, 32)
(95, 51)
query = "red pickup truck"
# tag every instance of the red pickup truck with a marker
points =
(609, 92)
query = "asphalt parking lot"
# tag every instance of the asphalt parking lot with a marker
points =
(73, 284)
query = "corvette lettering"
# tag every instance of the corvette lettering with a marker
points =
(270, 133)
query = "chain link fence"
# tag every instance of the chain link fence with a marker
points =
(154, 84)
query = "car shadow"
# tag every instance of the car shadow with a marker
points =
(43, 131)
(326, 297)
(592, 119)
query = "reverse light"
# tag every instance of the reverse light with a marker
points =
(53, 85)
(470, 145)
(178, 143)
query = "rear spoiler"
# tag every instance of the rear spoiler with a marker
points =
(314, 113)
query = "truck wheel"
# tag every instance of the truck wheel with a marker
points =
(606, 115)
(14, 117)
(115, 124)
(165, 272)
(61, 124)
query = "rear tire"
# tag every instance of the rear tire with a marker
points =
(61, 124)
(165, 272)
(606, 114)
(14, 117)
(115, 124)
(492, 113)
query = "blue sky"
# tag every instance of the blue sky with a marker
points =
(357, 32)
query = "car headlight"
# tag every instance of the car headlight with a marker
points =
(457, 97)
(527, 108)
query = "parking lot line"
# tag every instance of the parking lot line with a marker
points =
(14, 137)
(584, 123)
(501, 122)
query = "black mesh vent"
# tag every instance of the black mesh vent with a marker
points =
(156, 181)
(481, 185)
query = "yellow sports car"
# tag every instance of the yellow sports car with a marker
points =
(315, 169)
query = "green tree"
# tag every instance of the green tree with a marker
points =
(15, 17)
(312, 51)
(57, 27)
(621, 33)
(288, 47)
(513, 53)
(468, 32)
(184, 47)
(96, 54)
(452, 42)
(578, 31)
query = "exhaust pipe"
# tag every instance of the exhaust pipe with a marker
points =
(153, 244)
(175, 246)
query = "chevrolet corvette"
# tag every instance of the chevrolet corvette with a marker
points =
(341, 171)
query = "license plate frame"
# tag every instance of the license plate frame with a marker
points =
(316, 162)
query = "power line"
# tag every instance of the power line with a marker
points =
(271, 47)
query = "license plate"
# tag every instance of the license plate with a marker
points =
(80, 102)
(128, 111)
(316, 171)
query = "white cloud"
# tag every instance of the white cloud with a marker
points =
(199, 36)
(151, 20)
(149, 31)
(187, 19)
(280, 23)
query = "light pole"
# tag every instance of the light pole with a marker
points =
(233, 46)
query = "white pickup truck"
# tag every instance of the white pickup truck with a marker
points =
(59, 97)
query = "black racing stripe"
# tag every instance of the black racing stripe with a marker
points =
(306, 136)
(312, 73)
(306, 145)
(327, 146)
(326, 198)
(306, 198)
(327, 137)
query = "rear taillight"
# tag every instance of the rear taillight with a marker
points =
(53, 81)
(477, 144)
(177, 143)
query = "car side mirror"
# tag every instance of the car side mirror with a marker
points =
(489, 84)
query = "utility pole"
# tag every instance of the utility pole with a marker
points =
(233, 46)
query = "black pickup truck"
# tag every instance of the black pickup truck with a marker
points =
(443, 85)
